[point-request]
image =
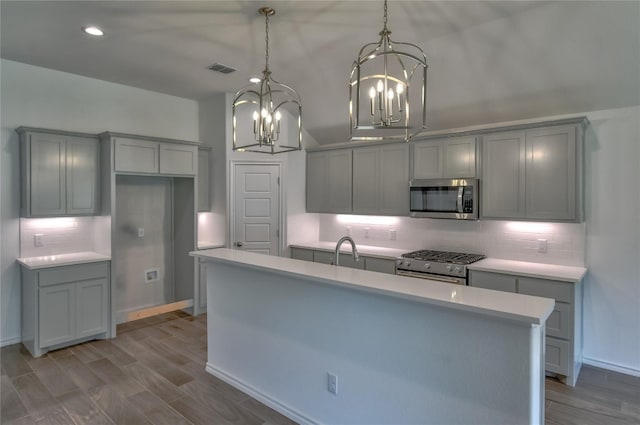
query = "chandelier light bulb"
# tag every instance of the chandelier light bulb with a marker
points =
(400, 88)
(278, 115)
(263, 113)
(372, 92)
(380, 86)
(256, 115)
(390, 94)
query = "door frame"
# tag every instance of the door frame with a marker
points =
(282, 205)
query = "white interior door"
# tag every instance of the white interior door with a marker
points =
(256, 218)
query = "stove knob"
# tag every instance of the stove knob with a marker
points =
(458, 270)
(427, 266)
(449, 268)
(407, 264)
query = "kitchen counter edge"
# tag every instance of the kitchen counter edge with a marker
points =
(525, 309)
(570, 274)
(69, 259)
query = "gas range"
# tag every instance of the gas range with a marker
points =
(436, 265)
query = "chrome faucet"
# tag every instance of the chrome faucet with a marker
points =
(354, 251)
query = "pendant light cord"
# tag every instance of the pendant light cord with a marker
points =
(266, 60)
(385, 16)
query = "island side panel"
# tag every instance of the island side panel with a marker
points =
(277, 336)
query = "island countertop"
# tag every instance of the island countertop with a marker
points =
(68, 259)
(516, 307)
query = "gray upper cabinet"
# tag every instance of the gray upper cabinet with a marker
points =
(204, 175)
(533, 174)
(329, 181)
(140, 155)
(452, 157)
(381, 180)
(60, 173)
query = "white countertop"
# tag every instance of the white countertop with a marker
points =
(371, 251)
(536, 270)
(504, 305)
(208, 245)
(62, 259)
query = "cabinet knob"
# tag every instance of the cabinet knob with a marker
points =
(238, 244)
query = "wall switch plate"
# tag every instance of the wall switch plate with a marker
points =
(332, 383)
(392, 234)
(37, 239)
(542, 246)
(366, 232)
(141, 232)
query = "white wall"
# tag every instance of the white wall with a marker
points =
(612, 286)
(38, 97)
(608, 243)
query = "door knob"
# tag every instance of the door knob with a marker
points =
(238, 244)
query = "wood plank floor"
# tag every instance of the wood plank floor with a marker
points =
(153, 373)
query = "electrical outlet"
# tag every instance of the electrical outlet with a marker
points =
(542, 246)
(366, 232)
(37, 239)
(332, 383)
(392, 234)
(141, 232)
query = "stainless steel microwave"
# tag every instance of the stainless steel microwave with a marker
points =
(444, 198)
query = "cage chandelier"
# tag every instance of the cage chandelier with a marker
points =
(388, 90)
(264, 109)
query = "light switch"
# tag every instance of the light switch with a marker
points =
(542, 246)
(37, 239)
(141, 232)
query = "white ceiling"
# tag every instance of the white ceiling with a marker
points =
(489, 61)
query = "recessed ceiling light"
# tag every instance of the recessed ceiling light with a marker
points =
(93, 30)
(254, 80)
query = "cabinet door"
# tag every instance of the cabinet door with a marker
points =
(551, 173)
(204, 199)
(503, 175)
(340, 181)
(366, 180)
(82, 176)
(380, 265)
(136, 156)
(317, 182)
(495, 281)
(57, 317)
(92, 301)
(394, 179)
(459, 157)
(178, 159)
(47, 191)
(302, 254)
(427, 160)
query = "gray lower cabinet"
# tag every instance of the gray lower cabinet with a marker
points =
(60, 173)
(376, 264)
(64, 305)
(563, 345)
(200, 295)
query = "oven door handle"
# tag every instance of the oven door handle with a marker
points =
(429, 277)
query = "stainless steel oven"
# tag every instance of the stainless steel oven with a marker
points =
(442, 266)
(444, 198)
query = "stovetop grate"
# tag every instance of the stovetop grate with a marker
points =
(444, 256)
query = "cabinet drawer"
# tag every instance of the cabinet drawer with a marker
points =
(559, 291)
(302, 254)
(136, 156)
(559, 321)
(495, 281)
(346, 260)
(178, 159)
(379, 265)
(557, 356)
(73, 273)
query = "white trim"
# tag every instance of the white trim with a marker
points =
(276, 405)
(611, 366)
(10, 341)
(282, 209)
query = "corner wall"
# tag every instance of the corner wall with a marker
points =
(39, 97)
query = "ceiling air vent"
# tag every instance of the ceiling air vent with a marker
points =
(218, 67)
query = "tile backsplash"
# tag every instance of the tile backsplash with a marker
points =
(565, 242)
(60, 235)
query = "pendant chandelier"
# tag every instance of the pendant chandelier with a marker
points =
(264, 108)
(388, 90)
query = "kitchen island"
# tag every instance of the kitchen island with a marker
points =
(403, 350)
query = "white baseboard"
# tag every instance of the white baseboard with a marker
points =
(260, 396)
(10, 341)
(610, 366)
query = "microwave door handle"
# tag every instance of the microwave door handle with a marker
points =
(459, 203)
